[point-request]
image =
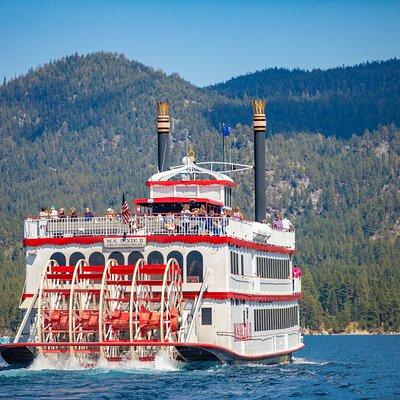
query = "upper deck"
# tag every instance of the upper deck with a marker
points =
(147, 225)
(205, 193)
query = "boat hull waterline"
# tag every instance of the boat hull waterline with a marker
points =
(23, 354)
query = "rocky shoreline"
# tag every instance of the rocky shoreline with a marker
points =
(323, 332)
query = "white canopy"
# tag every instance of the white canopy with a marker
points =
(189, 168)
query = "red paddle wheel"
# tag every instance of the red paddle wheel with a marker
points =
(53, 307)
(114, 309)
(86, 307)
(84, 310)
(156, 304)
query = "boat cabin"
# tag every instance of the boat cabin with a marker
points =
(191, 184)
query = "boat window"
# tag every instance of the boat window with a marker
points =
(134, 257)
(155, 257)
(206, 316)
(273, 268)
(228, 197)
(178, 257)
(234, 263)
(59, 257)
(118, 257)
(277, 318)
(194, 265)
(75, 257)
(97, 258)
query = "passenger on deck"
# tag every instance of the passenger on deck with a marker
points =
(277, 224)
(53, 213)
(159, 224)
(202, 218)
(213, 225)
(237, 215)
(110, 214)
(185, 218)
(287, 226)
(224, 220)
(88, 214)
(61, 213)
(170, 222)
(72, 213)
(43, 213)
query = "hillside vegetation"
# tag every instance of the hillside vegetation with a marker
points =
(79, 131)
(340, 101)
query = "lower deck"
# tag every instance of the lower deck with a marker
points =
(239, 302)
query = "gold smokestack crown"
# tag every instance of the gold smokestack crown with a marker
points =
(163, 122)
(162, 108)
(191, 153)
(259, 119)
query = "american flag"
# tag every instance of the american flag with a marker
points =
(125, 212)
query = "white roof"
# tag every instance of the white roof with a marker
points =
(189, 169)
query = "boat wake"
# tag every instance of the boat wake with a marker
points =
(162, 362)
(303, 361)
(61, 364)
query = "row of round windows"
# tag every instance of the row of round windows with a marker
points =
(194, 260)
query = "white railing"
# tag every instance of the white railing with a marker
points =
(276, 286)
(150, 225)
(139, 225)
(69, 227)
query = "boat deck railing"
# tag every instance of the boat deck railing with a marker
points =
(148, 225)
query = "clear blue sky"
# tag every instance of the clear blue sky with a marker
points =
(204, 41)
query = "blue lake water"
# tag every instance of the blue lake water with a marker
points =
(332, 367)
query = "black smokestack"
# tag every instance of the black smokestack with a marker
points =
(163, 128)
(259, 127)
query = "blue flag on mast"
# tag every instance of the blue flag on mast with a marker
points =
(226, 130)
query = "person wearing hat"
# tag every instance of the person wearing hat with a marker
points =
(53, 213)
(110, 214)
(61, 213)
(88, 214)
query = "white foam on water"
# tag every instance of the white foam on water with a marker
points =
(303, 361)
(295, 361)
(62, 363)
(104, 365)
(259, 365)
(162, 362)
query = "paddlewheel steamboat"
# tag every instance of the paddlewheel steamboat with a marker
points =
(198, 286)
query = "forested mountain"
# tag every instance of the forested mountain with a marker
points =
(340, 101)
(79, 131)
